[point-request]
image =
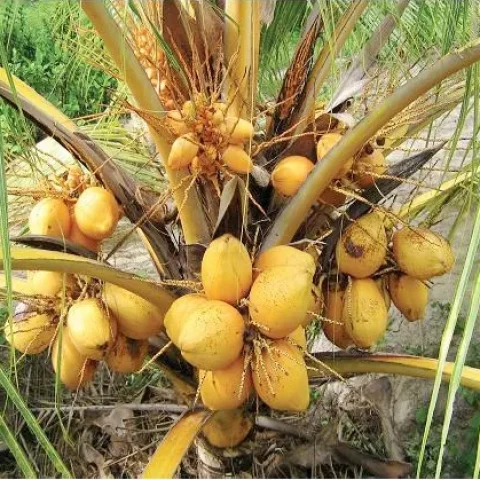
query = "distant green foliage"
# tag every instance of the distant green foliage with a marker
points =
(34, 35)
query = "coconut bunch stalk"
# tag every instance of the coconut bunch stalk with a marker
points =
(279, 208)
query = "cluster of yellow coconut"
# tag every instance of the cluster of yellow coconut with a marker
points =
(85, 216)
(360, 171)
(245, 331)
(208, 139)
(83, 322)
(356, 313)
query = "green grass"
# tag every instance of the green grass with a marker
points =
(34, 36)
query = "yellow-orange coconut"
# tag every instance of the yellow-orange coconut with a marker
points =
(127, 355)
(91, 327)
(280, 300)
(421, 253)
(280, 377)
(212, 337)
(409, 295)
(75, 370)
(364, 312)
(137, 318)
(96, 213)
(226, 270)
(51, 217)
(228, 388)
(362, 248)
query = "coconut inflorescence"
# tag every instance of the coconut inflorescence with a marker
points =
(207, 140)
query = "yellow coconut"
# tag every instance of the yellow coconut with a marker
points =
(298, 338)
(228, 388)
(30, 333)
(280, 299)
(333, 326)
(238, 130)
(42, 282)
(422, 253)
(137, 318)
(325, 144)
(127, 355)
(96, 213)
(368, 167)
(178, 313)
(237, 159)
(226, 270)
(176, 122)
(212, 337)
(409, 295)
(284, 256)
(280, 377)
(91, 327)
(51, 217)
(364, 312)
(227, 428)
(316, 305)
(78, 237)
(183, 151)
(290, 173)
(76, 369)
(362, 248)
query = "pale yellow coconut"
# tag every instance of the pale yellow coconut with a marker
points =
(30, 333)
(137, 318)
(96, 213)
(325, 144)
(75, 370)
(368, 167)
(183, 151)
(362, 248)
(226, 270)
(227, 428)
(280, 377)
(176, 122)
(421, 253)
(334, 326)
(178, 312)
(284, 256)
(290, 173)
(228, 388)
(50, 217)
(238, 130)
(364, 312)
(127, 355)
(237, 159)
(280, 299)
(409, 295)
(42, 282)
(92, 329)
(78, 237)
(212, 337)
